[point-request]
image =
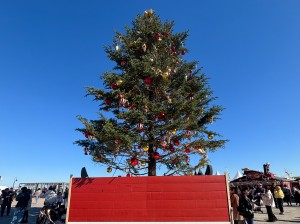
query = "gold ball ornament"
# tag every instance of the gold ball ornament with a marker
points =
(210, 136)
(143, 163)
(144, 47)
(174, 132)
(109, 169)
(145, 148)
(119, 82)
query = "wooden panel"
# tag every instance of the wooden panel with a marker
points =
(149, 199)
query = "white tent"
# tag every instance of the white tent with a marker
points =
(238, 175)
(217, 173)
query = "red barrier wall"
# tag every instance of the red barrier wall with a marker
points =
(149, 199)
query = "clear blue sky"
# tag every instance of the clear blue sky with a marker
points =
(51, 50)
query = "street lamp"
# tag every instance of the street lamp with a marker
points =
(14, 182)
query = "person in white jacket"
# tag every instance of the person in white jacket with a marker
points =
(50, 197)
(269, 202)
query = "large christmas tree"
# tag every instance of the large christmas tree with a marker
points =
(156, 106)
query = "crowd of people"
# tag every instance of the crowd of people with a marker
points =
(24, 198)
(245, 201)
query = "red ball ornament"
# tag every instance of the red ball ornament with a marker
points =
(183, 52)
(128, 175)
(173, 49)
(187, 150)
(134, 161)
(166, 34)
(161, 116)
(176, 142)
(85, 151)
(87, 134)
(113, 86)
(156, 155)
(171, 148)
(107, 102)
(158, 36)
(123, 63)
(148, 80)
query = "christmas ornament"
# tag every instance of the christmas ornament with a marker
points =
(143, 163)
(173, 49)
(144, 47)
(87, 134)
(158, 37)
(156, 155)
(145, 148)
(200, 149)
(163, 143)
(174, 132)
(187, 160)
(166, 34)
(187, 150)
(134, 161)
(119, 82)
(120, 38)
(148, 80)
(123, 62)
(188, 134)
(140, 127)
(107, 102)
(176, 142)
(128, 175)
(123, 102)
(117, 47)
(109, 169)
(175, 160)
(171, 148)
(210, 136)
(85, 151)
(161, 116)
(113, 86)
(183, 52)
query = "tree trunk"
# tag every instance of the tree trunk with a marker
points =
(152, 162)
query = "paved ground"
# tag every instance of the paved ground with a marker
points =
(292, 214)
(33, 212)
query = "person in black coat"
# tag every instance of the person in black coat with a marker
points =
(7, 197)
(245, 207)
(22, 198)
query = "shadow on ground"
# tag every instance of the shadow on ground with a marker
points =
(33, 213)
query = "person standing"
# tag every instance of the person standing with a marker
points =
(287, 195)
(26, 212)
(297, 195)
(59, 199)
(279, 195)
(22, 199)
(272, 189)
(7, 197)
(269, 203)
(245, 207)
(37, 194)
(65, 197)
(234, 199)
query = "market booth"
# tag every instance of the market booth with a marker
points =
(168, 199)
